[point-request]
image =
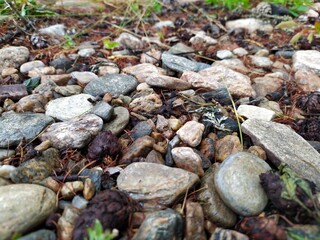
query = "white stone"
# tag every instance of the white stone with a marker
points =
(6, 170)
(162, 24)
(240, 51)
(261, 61)
(251, 24)
(57, 30)
(83, 78)
(28, 66)
(201, 39)
(86, 52)
(191, 133)
(250, 111)
(224, 54)
(307, 59)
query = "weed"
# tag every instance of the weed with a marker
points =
(230, 4)
(68, 43)
(97, 232)
(295, 6)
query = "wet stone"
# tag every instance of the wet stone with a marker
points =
(155, 182)
(191, 133)
(28, 66)
(14, 92)
(165, 224)
(75, 133)
(103, 110)
(213, 206)
(118, 124)
(238, 184)
(14, 127)
(13, 57)
(26, 205)
(185, 158)
(42, 234)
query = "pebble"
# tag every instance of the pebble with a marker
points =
(156, 183)
(185, 158)
(240, 51)
(6, 153)
(83, 78)
(306, 59)
(14, 92)
(265, 85)
(4, 182)
(307, 80)
(68, 90)
(16, 126)
(6, 171)
(191, 133)
(141, 129)
(29, 66)
(75, 133)
(42, 234)
(163, 24)
(61, 63)
(26, 205)
(260, 61)
(154, 157)
(145, 101)
(250, 111)
(6, 72)
(236, 65)
(129, 41)
(103, 110)
(215, 210)
(79, 202)
(201, 40)
(32, 103)
(59, 79)
(50, 183)
(86, 52)
(116, 84)
(258, 151)
(224, 54)
(13, 57)
(238, 184)
(95, 175)
(167, 82)
(66, 222)
(164, 224)
(69, 189)
(207, 148)
(118, 124)
(221, 234)
(180, 48)
(38, 72)
(57, 30)
(194, 222)
(227, 145)
(88, 189)
(283, 145)
(250, 24)
(141, 71)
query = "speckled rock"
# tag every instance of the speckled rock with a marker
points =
(121, 120)
(67, 108)
(145, 101)
(141, 71)
(227, 145)
(191, 133)
(167, 82)
(83, 78)
(306, 59)
(238, 184)
(165, 224)
(13, 57)
(23, 207)
(250, 111)
(16, 126)
(32, 103)
(260, 61)
(213, 206)
(75, 133)
(194, 222)
(155, 182)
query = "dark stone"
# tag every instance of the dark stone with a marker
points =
(14, 92)
(141, 129)
(61, 63)
(42, 234)
(220, 95)
(95, 176)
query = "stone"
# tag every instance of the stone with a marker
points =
(306, 59)
(4, 182)
(214, 209)
(240, 51)
(88, 189)
(154, 157)
(224, 54)
(59, 79)
(79, 202)
(201, 40)
(69, 189)
(38, 72)
(167, 82)
(23, 207)
(16, 126)
(207, 148)
(103, 110)
(56, 30)
(251, 111)
(236, 65)
(180, 48)
(163, 24)
(307, 80)
(75, 133)
(66, 222)
(50, 183)
(258, 151)
(14, 92)
(118, 124)
(220, 234)
(265, 85)
(260, 61)
(67, 108)
(155, 182)
(141, 129)
(29, 66)
(180, 64)
(162, 123)
(68, 90)
(6, 153)
(185, 158)
(129, 41)
(283, 145)
(83, 78)
(250, 24)
(61, 63)
(191, 133)
(6, 171)
(6, 72)
(31, 103)
(153, 56)
(145, 101)
(141, 71)
(164, 224)
(95, 175)
(194, 222)
(86, 52)
(42, 234)
(139, 148)
(116, 84)
(13, 57)
(238, 184)
(103, 70)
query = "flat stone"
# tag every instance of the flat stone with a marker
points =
(116, 84)
(167, 82)
(31, 103)
(215, 210)
(250, 24)
(39, 71)
(185, 158)
(68, 90)
(86, 52)
(240, 51)
(238, 184)
(155, 182)
(8, 71)
(250, 111)
(141, 129)
(23, 207)
(42, 234)
(307, 80)
(83, 78)
(260, 61)
(191, 133)
(194, 222)
(13, 57)
(265, 85)
(180, 48)
(121, 120)
(59, 79)
(306, 59)
(67, 108)
(283, 145)
(129, 41)
(103, 110)
(165, 224)
(141, 71)
(28, 66)
(75, 133)
(16, 126)
(14, 91)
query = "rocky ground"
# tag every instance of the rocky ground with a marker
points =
(195, 123)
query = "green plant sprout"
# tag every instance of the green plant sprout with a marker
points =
(97, 232)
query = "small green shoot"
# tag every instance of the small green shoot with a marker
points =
(97, 232)
(68, 43)
(230, 4)
(110, 45)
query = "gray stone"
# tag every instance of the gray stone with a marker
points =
(162, 81)
(5, 153)
(121, 120)
(221, 234)
(67, 108)
(75, 133)
(23, 207)
(166, 224)
(95, 175)
(238, 184)
(13, 57)
(250, 111)
(116, 84)
(129, 41)
(191, 133)
(306, 59)
(14, 91)
(240, 51)
(283, 145)
(61, 63)
(56, 30)
(103, 110)
(141, 129)
(201, 40)
(250, 24)
(180, 64)
(141, 71)
(79, 202)
(42, 234)
(28, 66)
(83, 78)
(14, 127)
(162, 24)
(155, 182)
(215, 210)
(180, 48)
(86, 52)
(260, 61)
(224, 54)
